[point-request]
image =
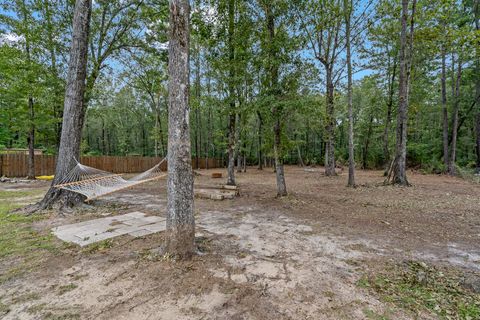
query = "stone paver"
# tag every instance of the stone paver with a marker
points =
(135, 224)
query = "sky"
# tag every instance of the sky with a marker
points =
(116, 66)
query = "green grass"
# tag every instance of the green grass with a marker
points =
(372, 315)
(4, 309)
(419, 288)
(67, 288)
(98, 246)
(18, 240)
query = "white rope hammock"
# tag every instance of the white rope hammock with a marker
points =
(94, 183)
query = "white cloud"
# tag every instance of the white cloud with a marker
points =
(10, 38)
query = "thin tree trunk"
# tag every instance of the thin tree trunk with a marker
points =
(209, 128)
(198, 120)
(74, 111)
(244, 159)
(104, 148)
(453, 150)
(238, 151)
(330, 128)
(477, 85)
(276, 112)
(260, 156)
(180, 232)
(57, 108)
(367, 143)
(31, 111)
(300, 159)
(156, 134)
(388, 121)
(31, 141)
(351, 151)
(232, 115)
(446, 158)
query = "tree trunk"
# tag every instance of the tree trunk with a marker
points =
(238, 151)
(281, 186)
(330, 125)
(446, 158)
(198, 120)
(31, 141)
(244, 161)
(104, 147)
(276, 112)
(57, 112)
(31, 111)
(367, 143)
(388, 121)
(477, 85)
(453, 150)
(180, 233)
(74, 111)
(260, 156)
(399, 169)
(231, 86)
(209, 128)
(351, 151)
(299, 155)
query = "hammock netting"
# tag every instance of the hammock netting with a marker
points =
(94, 183)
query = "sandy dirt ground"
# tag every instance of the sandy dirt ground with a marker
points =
(298, 257)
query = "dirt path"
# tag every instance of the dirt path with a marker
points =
(263, 258)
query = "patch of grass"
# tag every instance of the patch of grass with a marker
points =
(65, 316)
(4, 309)
(98, 246)
(66, 288)
(11, 194)
(468, 174)
(420, 288)
(17, 237)
(372, 315)
(36, 308)
(26, 297)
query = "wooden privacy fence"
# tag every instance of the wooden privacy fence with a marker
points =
(16, 165)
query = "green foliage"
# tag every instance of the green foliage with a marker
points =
(419, 288)
(127, 93)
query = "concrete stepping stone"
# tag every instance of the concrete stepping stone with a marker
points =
(135, 224)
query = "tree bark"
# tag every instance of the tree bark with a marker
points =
(477, 86)
(260, 129)
(209, 128)
(31, 141)
(299, 155)
(198, 120)
(351, 150)
(330, 127)
(367, 143)
(388, 120)
(180, 233)
(31, 111)
(276, 112)
(74, 111)
(453, 150)
(57, 108)
(231, 86)
(446, 158)
(400, 162)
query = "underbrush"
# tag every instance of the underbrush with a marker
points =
(421, 289)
